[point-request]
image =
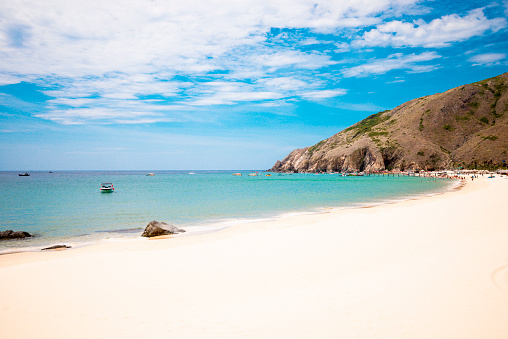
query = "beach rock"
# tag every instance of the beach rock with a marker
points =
(55, 247)
(10, 234)
(156, 228)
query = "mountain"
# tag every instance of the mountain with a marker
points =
(465, 127)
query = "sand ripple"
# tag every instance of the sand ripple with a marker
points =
(500, 278)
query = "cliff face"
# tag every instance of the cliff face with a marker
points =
(465, 126)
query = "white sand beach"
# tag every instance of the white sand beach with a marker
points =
(435, 267)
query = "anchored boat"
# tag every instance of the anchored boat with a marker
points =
(107, 187)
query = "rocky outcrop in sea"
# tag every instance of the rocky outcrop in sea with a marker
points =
(10, 234)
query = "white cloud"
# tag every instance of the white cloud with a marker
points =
(228, 93)
(324, 94)
(396, 61)
(395, 81)
(282, 59)
(286, 84)
(278, 103)
(102, 115)
(487, 58)
(229, 98)
(437, 33)
(367, 107)
(8, 79)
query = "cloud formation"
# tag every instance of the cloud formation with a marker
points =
(410, 62)
(487, 58)
(324, 94)
(63, 38)
(158, 60)
(439, 32)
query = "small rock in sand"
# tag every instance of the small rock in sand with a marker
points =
(56, 247)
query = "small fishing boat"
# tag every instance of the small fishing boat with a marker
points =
(24, 174)
(107, 187)
(238, 174)
(150, 174)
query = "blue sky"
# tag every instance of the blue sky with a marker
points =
(222, 84)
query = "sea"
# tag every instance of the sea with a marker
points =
(67, 207)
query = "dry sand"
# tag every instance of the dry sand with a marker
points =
(435, 267)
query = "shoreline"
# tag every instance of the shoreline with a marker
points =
(434, 267)
(227, 223)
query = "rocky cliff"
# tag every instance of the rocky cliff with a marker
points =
(463, 127)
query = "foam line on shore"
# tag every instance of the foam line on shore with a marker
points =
(217, 226)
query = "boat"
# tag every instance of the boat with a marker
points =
(107, 187)
(150, 174)
(24, 174)
(192, 173)
(238, 174)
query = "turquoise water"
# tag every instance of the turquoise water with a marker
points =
(68, 206)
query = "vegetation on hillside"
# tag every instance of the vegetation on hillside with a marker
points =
(465, 127)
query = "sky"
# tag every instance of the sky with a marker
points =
(222, 84)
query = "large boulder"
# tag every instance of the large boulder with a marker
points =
(156, 228)
(10, 234)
